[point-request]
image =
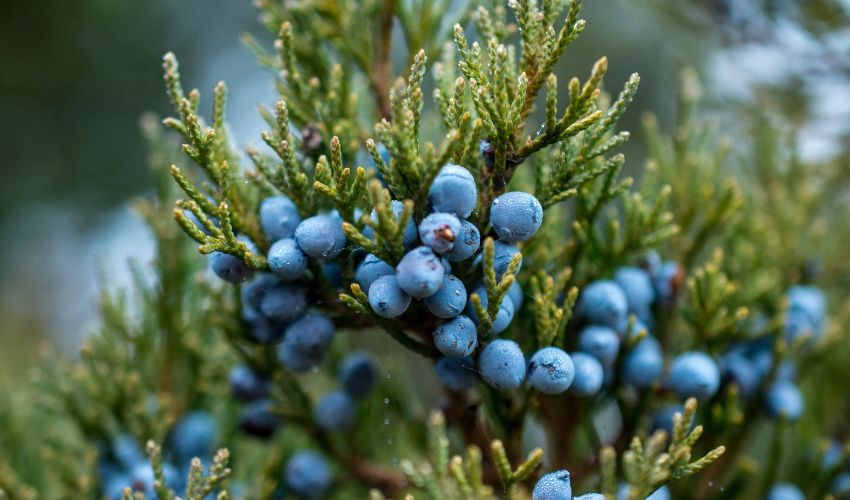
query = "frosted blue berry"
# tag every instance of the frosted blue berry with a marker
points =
(279, 217)
(358, 374)
(420, 273)
(335, 411)
(286, 260)
(456, 338)
(503, 253)
(503, 317)
(785, 491)
(194, 436)
(450, 299)
(553, 486)
(257, 419)
(371, 269)
(551, 370)
(320, 237)
(661, 493)
(410, 233)
(643, 365)
(246, 384)
(387, 298)
(516, 216)
(783, 399)
(467, 242)
(311, 335)
(640, 293)
(600, 341)
(453, 191)
(456, 374)
(694, 374)
(439, 231)
(308, 474)
(502, 364)
(284, 302)
(589, 374)
(230, 268)
(604, 303)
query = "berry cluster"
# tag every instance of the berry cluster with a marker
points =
(122, 464)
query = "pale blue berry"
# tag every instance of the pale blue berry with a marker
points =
(420, 273)
(661, 493)
(194, 436)
(551, 370)
(456, 374)
(387, 299)
(503, 253)
(589, 374)
(456, 338)
(502, 364)
(450, 299)
(643, 365)
(785, 491)
(371, 269)
(590, 496)
(321, 237)
(604, 303)
(453, 191)
(439, 231)
(467, 242)
(640, 293)
(253, 291)
(694, 374)
(286, 260)
(284, 302)
(516, 216)
(308, 474)
(601, 341)
(784, 399)
(279, 217)
(358, 374)
(503, 317)
(553, 486)
(335, 411)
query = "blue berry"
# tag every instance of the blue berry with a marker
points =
(516, 216)
(278, 217)
(637, 286)
(840, 487)
(466, 243)
(604, 303)
(335, 411)
(553, 486)
(503, 253)
(320, 237)
(785, 491)
(832, 455)
(114, 484)
(286, 260)
(447, 266)
(809, 300)
(694, 374)
(311, 335)
(308, 474)
(453, 191)
(589, 374)
(371, 269)
(666, 281)
(601, 341)
(194, 436)
(284, 302)
(503, 317)
(142, 478)
(257, 420)
(739, 370)
(590, 496)
(358, 374)
(410, 233)
(246, 384)
(387, 299)
(420, 273)
(439, 231)
(450, 299)
(661, 493)
(456, 338)
(230, 268)
(456, 374)
(126, 451)
(261, 329)
(663, 418)
(783, 399)
(253, 291)
(502, 364)
(642, 366)
(516, 294)
(296, 361)
(551, 370)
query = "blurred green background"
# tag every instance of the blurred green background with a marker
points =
(77, 76)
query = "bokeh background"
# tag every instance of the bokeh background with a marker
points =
(77, 76)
